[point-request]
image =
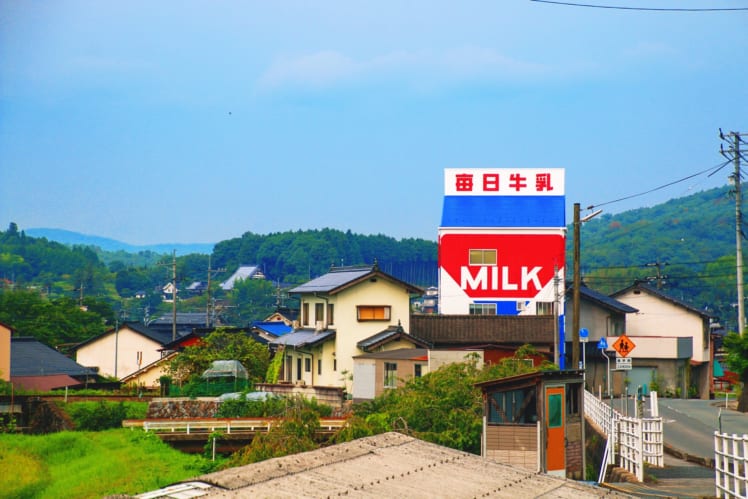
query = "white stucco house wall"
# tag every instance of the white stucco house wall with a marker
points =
(344, 313)
(122, 350)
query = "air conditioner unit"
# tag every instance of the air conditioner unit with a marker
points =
(521, 306)
(319, 326)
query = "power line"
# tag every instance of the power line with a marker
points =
(712, 170)
(652, 9)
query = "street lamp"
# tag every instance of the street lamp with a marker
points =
(577, 283)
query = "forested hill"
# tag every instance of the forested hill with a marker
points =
(302, 255)
(689, 242)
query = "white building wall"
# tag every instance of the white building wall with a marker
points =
(122, 345)
(658, 317)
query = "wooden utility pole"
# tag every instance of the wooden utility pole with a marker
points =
(733, 152)
(575, 297)
(173, 295)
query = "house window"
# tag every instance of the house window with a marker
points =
(373, 312)
(544, 308)
(482, 309)
(330, 314)
(482, 257)
(305, 314)
(390, 375)
(572, 400)
(418, 370)
(555, 410)
(289, 368)
(513, 407)
(319, 312)
(307, 365)
(298, 368)
(319, 366)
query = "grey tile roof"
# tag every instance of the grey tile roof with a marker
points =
(160, 337)
(659, 293)
(392, 333)
(399, 354)
(243, 272)
(602, 300)
(304, 337)
(340, 278)
(29, 357)
(334, 279)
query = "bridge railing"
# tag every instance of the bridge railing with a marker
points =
(731, 465)
(228, 426)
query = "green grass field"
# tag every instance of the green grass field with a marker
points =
(91, 464)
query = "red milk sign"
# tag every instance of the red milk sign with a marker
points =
(501, 266)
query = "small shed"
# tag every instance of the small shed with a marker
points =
(536, 421)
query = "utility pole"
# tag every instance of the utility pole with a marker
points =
(659, 277)
(208, 303)
(575, 296)
(577, 283)
(733, 140)
(173, 295)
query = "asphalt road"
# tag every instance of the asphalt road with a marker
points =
(689, 425)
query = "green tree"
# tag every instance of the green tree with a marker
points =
(443, 406)
(222, 344)
(294, 433)
(736, 346)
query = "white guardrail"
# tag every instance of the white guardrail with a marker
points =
(731, 465)
(228, 426)
(634, 440)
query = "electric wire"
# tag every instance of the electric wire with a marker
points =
(651, 9)
(713, 170)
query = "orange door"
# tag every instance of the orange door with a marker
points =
(555, 429)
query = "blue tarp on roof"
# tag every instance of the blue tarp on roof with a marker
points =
(275, 328)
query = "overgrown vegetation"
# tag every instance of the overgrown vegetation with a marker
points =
(221, 344)
(294, 433)
(103, 415)
(736, 346)
(270, 407)
(443, 406)
(91, 464)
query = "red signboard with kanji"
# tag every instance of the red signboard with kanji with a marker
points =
(623, 345)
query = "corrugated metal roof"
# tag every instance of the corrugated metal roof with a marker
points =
(390, 465)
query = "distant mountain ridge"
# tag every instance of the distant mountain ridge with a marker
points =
(71, 238)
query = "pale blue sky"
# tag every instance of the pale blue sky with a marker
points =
(183, 121)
